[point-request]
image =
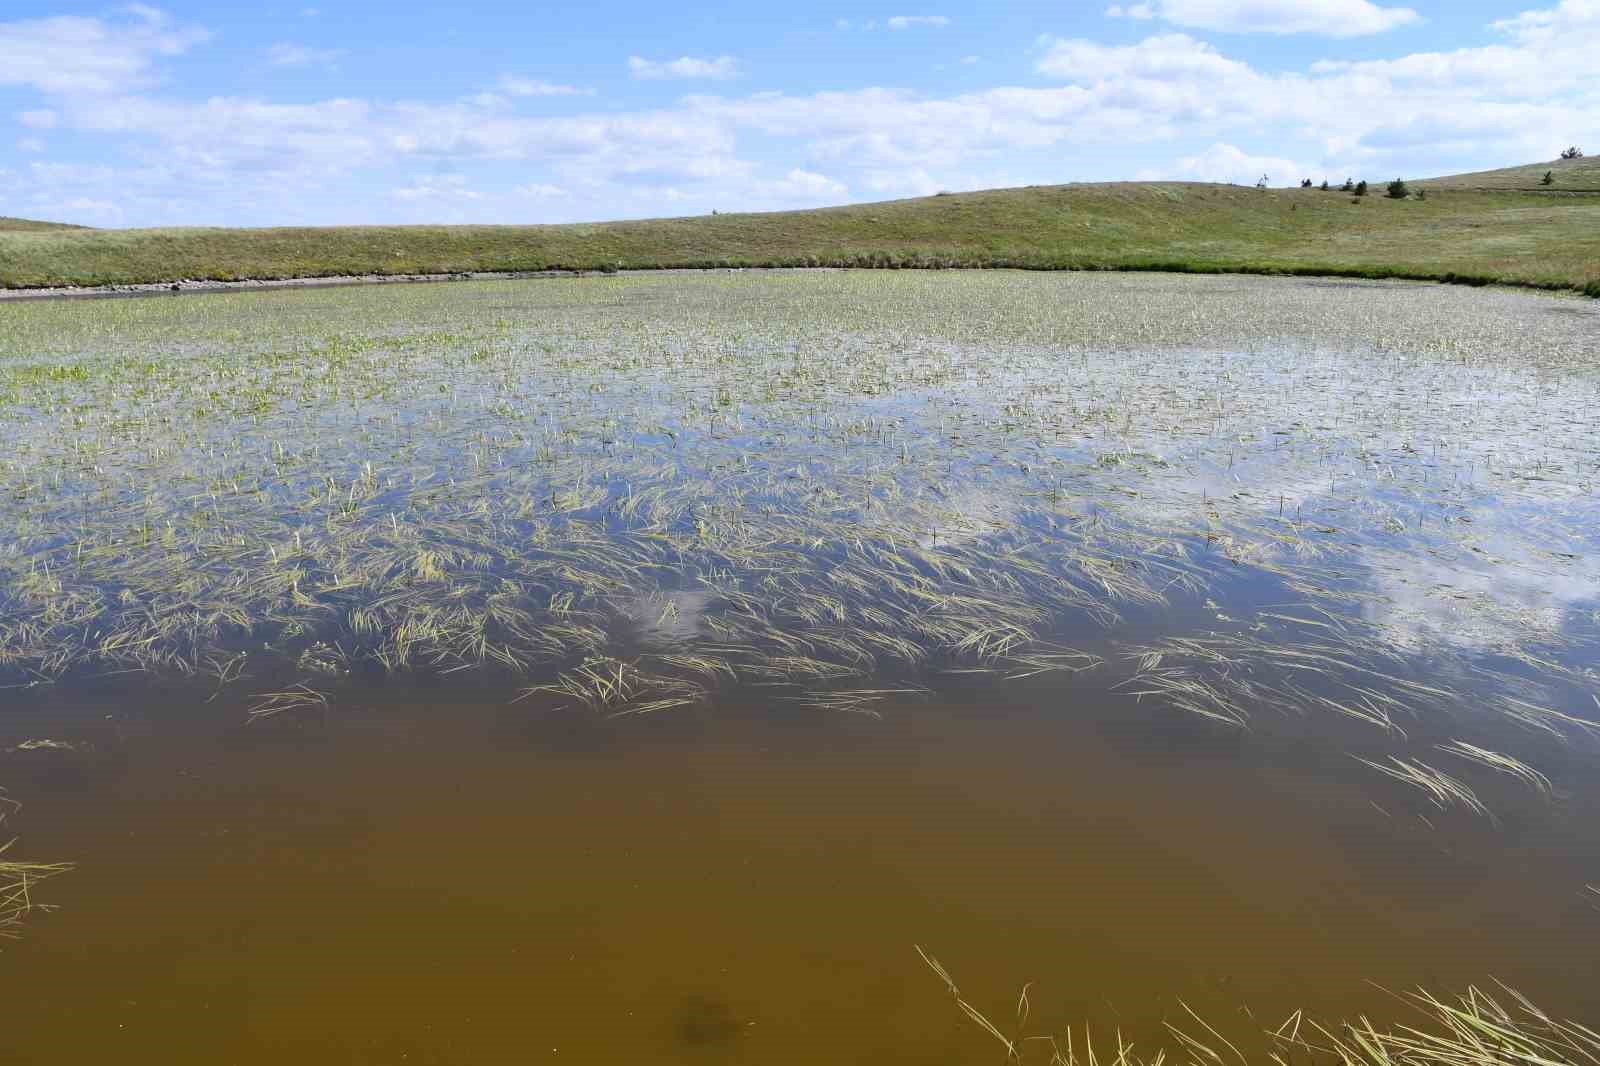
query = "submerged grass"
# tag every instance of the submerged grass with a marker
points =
(1372, 504)
(1500, 1028)
(17, 880)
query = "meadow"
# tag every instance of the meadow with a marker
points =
(1501, 227)
(792, 579)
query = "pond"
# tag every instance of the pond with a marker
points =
(691, 667)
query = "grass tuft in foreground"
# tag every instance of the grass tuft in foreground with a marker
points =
(1477, 1029)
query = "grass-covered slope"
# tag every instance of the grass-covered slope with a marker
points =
(28, 225)
(1567, 175)
(1475, 235)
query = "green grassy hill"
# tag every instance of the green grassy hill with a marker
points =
(15, 225)
(1571, 175)
(1463, 234)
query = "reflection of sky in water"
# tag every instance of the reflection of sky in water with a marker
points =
(1460, 498)
(668, 618)
(1499, 586)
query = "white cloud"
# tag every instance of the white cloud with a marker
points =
(1329, 18)
(289, 54)
(1545, 52)
(30, 144)
(514, 85)
(720, 68)
(894, 22)
(807, 186)
(540, 191)
(437, 187)
(1376, 117)
(896, 129)
(914, 181)
(239, 130)
(75, 208)
(42, 119)
(71, 54)
(1544, 25)
(1225, 162)
(1175, 58)
(98, 207)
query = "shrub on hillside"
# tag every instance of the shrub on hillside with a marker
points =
(1348, 186)
(1324, 184)
(1305, 183)
(1361, 187)
(1572, 153)
(1398, 190)
(1549, 178)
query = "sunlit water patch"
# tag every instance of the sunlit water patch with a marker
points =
(1121, 557)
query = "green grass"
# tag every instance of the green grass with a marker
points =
(1467, 235)
(28, 225)
(1570, 175)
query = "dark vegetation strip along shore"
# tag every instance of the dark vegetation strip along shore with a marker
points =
(1473, 236)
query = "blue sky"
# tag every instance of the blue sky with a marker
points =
(329, 113)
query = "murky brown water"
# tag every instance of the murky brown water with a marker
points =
(425, 881)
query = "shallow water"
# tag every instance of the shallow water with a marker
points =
(639, 668)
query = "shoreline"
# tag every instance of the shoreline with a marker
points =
(204, 285)
(207, 285)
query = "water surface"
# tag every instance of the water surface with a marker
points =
(639, 668)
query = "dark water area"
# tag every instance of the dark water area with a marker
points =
(419, 880)
(542, 671)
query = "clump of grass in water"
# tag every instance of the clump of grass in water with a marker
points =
(1478, 1029)
(1441, 789)
(17, 881)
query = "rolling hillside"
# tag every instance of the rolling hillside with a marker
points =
(1460, 232)
(28, 225)
(1571, 175)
